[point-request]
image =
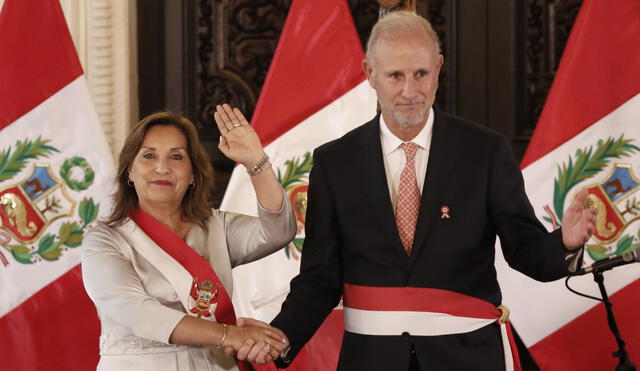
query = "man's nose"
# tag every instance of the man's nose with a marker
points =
(410, 88)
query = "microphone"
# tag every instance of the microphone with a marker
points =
(611, 262)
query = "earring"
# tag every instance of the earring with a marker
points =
(193, 183)
(129, 182)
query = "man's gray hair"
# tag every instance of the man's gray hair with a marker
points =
(400, 22)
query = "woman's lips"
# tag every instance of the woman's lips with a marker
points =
(162, 182)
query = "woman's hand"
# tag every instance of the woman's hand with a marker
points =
(252, 352)
(239, 141)
(264, 340)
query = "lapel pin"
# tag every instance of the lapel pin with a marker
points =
(445, 212)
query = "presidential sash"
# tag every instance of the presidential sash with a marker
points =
(207, 296)
(423, 312)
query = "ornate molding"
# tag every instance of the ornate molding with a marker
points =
(104, 35)
(365, 15)
(235, 43)
(440, 14)
(547, 24)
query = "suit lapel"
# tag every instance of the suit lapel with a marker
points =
(370, 165)
(440, 168)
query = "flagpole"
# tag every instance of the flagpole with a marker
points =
(624, 363)
(388, 6)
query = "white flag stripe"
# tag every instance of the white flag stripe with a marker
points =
(545, 307)
(621, 121)
(260, 287)
(74, 132)
(549, 306)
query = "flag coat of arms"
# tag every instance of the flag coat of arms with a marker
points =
(315, 91)
(56, 173)
(587, 138)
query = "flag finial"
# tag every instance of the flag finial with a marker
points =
(387, 6)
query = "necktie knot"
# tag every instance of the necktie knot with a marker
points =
(410, 150)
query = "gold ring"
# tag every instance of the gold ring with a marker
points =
(235, 125)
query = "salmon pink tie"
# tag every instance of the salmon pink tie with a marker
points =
(408, 198)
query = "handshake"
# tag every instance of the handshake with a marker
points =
(254, 341)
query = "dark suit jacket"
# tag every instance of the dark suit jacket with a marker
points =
(351, 237)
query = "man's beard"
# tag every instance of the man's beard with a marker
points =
(409, 119)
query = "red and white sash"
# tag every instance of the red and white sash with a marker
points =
(207, 295)
(423, 312)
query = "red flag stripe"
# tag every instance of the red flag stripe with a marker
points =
(565, 348)
(37, 55)
(583, 91)
(40, 335)
(318, 59)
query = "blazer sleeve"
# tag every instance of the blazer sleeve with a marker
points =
(318, 288)
(250, 238)
(526, 244)
(117, 291)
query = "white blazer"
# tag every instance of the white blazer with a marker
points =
(141, 293)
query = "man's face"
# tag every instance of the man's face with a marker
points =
(404, 72)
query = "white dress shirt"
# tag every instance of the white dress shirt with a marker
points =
(394, 157)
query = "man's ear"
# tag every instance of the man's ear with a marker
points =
(368, 72)
(440, 62)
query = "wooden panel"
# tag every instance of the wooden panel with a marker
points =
(544, 26)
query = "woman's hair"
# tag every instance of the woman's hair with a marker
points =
(196, 204)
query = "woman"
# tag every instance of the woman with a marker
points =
(159, 269)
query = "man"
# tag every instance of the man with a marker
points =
(402, 218)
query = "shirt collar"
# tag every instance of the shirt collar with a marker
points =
(390, 142)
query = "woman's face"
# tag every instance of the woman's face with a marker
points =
(161, 171)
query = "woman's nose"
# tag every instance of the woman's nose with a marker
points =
(162, 166)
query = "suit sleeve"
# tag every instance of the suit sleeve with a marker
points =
(250, 238)
(526, 244)
(318, 287)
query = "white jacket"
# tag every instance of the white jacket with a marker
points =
(141, 293)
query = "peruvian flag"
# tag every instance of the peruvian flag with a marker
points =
(315, 91)
(588, 137)
(56, 173)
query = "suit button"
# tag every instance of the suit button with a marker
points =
(405, 334)
(412, 351)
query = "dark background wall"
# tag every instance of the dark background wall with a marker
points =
(500, 59)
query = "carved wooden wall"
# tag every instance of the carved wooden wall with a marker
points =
(500, 58)
(545, 25)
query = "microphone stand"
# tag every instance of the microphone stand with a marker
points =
(624, 364)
